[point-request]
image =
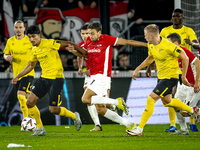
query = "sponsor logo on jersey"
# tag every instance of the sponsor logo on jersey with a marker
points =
(94, 50)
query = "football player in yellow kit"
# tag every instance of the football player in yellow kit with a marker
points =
(18, 53)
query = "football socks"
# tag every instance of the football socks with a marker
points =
(172, 116)
(178, 104)
(22, 100)
(66, 113)
(147, 112)
(35, 113)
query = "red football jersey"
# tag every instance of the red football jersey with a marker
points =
(191, 72)
(81, 44)
(100, 54)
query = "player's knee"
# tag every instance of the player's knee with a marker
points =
(54, 110)
(84, 100)
(101, 110)
(30, 104)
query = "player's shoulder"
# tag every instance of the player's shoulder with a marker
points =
(11, 39)
(187, 28)
(165, 41)
(104, 36)
(167, 44)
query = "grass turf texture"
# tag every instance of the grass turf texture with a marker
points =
(112, 137)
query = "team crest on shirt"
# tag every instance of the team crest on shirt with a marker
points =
(160, 50)
(99, 45)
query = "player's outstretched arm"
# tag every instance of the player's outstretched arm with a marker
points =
(185, 62)
(26, 70)
(145, 63)
(196, 85)
(76, 47)
(71, 49)
(121, 41)
(80, 65)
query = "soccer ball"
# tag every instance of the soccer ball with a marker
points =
(28, 124)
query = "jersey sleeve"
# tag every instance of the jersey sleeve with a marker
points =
(176, 50)
(192, 34)
(54, 44)
(110, 40)
(7, 48)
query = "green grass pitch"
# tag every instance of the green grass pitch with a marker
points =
(66, 137)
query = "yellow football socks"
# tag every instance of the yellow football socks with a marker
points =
(178, 104)
(172, 115)
(22, 100)
(147, 112)
(35, 113)
(191, 120)
(66, 113)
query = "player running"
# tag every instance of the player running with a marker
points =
(99, 47)
(51, 81)
(165, 55)
(91, 108)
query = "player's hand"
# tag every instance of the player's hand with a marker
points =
(196, 87)
(148, 71)
(80, 72)
(185, 81)
(14, 81)
(187, 41)
(184, 114)
(135, 74)
(9, 58)
(87, 73)
(71, 48)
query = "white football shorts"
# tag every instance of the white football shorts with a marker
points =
(187, 95)
(100, 84)
(87, 81)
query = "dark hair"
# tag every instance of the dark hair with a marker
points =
(34, 29)
(175, 37)
(178, 10)
(84, 27)
(95, 25)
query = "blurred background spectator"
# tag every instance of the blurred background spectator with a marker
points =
(124, 62)
(92, 3)
(75, 64)
(31, 7)
(64, 59)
